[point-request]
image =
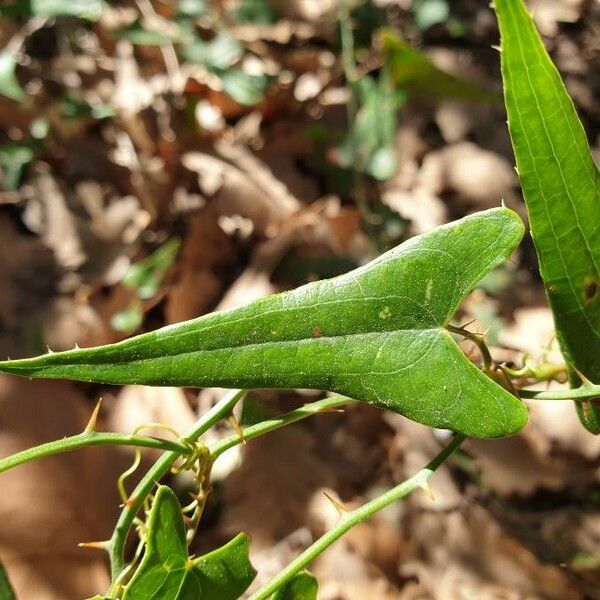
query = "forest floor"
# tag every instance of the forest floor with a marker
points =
(236, 149)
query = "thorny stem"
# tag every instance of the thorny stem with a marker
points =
(580, 394)
(160, 468)
(92, 438)
(354, 517)
(254, 431)
(479, 341)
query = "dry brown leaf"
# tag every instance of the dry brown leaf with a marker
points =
(206, 255)
(344, 574)
(28, 275)
(476, 175)
(86, 233)
(462, 556)
(233, 191)
(49, 506)
(269, 494)
(549, 13)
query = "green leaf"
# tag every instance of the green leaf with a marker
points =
(166, 572)
(83, 9)
(219, 53)
(129, 319)
(146, 275)
(138, 34)
(226, 573)
(303, 586)
(73, 107)
(430, 12)
(376, 334)
(193, 8)
(369, 145)
(14, 157)
(412, 71)
(6, 590)
(561, 185)
(258, 12)
(9, 85)
(242, 87)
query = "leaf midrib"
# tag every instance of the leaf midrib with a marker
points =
(27, 365)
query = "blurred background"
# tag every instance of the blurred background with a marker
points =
(160, 159)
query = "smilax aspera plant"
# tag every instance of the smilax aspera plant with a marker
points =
(381, 334)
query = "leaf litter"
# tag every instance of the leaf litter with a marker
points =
(161, 149)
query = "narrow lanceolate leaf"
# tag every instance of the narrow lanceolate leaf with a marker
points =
(168, 573)
(375, 334)
(561, 185)
(6, 591)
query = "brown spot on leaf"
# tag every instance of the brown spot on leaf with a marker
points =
(317, 331)
(590, 290)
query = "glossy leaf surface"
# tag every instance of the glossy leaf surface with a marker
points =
(303, 586)
(168, 573)
(375, 334)
(561, 185)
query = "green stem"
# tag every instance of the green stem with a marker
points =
(91, 438)
(288, 418)
(354, 517)
(580, 394)
(160, 468)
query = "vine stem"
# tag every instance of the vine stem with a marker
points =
(116, 544)
(254, 431)
(91, 438)
(354, 517)
(580, 394)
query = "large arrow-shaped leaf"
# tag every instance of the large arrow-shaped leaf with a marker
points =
(376, 334)
(561, 185)
(168, 573)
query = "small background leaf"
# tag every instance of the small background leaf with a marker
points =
(9, 86)
(303, 586)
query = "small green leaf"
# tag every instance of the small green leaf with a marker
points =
(193, 8)
(146, 275)
(561, 185)
(128, 319)
(6, 590)
(73, 108)
(14, 156)
(138, 34)
(219, 53)
(258, 12)
(383, 163)
(376, 334)
(369, 145)
(90, 10)
(226, 573)
(166, 572)
(244, 88)
(9, 85)
(303, 586)
(430, 12)
(414, 72)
